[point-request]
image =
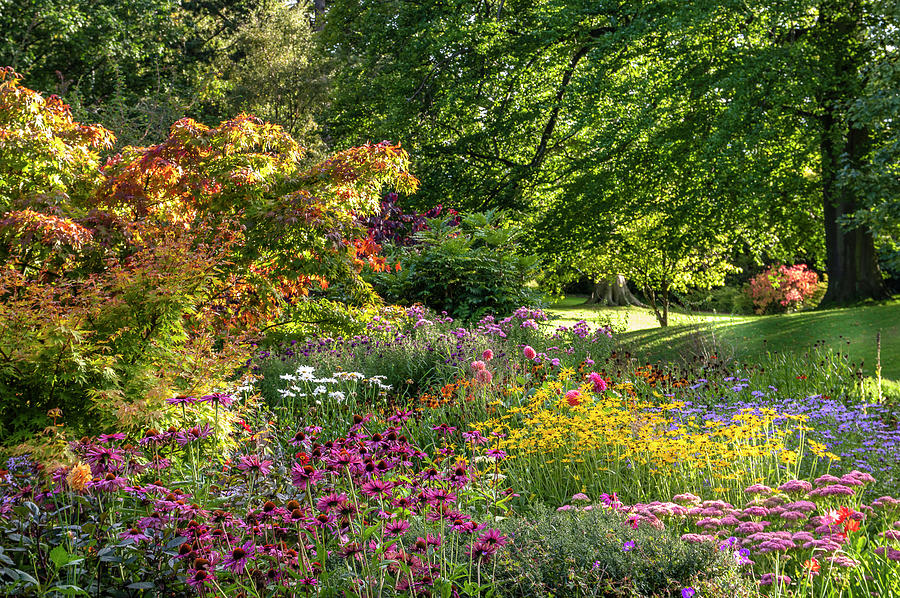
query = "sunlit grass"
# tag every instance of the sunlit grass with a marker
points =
(850, 330)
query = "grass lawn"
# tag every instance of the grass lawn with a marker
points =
(851, 330)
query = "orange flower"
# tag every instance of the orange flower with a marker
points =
(79, 476)
(851, 525)
(811, 565)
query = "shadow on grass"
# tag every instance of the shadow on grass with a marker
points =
(849, 330)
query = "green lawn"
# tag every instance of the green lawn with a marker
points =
(852, 330)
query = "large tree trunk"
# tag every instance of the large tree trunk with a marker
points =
(614, 290)
(851, 262)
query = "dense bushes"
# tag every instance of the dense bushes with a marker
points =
(469, 270)
(782, 288)
(597, 553)
(145, 278)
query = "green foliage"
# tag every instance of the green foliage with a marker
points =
(45, 157)
(576, 554)
(469, 270)
(126, 286)
(273, 69)
(723, 300)
(133, 335)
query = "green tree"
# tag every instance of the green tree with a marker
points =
(575, 110)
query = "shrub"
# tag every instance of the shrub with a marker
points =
(467, 271)
(391, 225)
(782, 288)
(598, 553)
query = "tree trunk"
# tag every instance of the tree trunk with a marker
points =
(850, 257)
(659, 304)
(614, 290)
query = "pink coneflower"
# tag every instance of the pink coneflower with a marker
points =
(253, 465)
(109, 483)
(134, 534)
(444, 429)
(237, 559)
(396, 528)
(217, 398)
(181, 400)
(474, 437)
(304, 475)
(377, 489)
(439, 496)
(495, 454)
(107, 438)
(481, 552)
(331, 501)
(351, 550)
(198, 578)
(528, 352)
(102, 458)
(493, 537)
(184, 437)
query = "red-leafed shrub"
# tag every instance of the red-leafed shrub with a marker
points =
(782, 288)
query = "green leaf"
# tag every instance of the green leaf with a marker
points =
(69, 590)
(61, 557)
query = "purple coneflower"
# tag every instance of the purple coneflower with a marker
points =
(377, 488)
(396, 528)
(134, 534)
(181, 400)
(237, 559)
(254, 465)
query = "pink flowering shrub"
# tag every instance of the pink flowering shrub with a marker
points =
(782, 288)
